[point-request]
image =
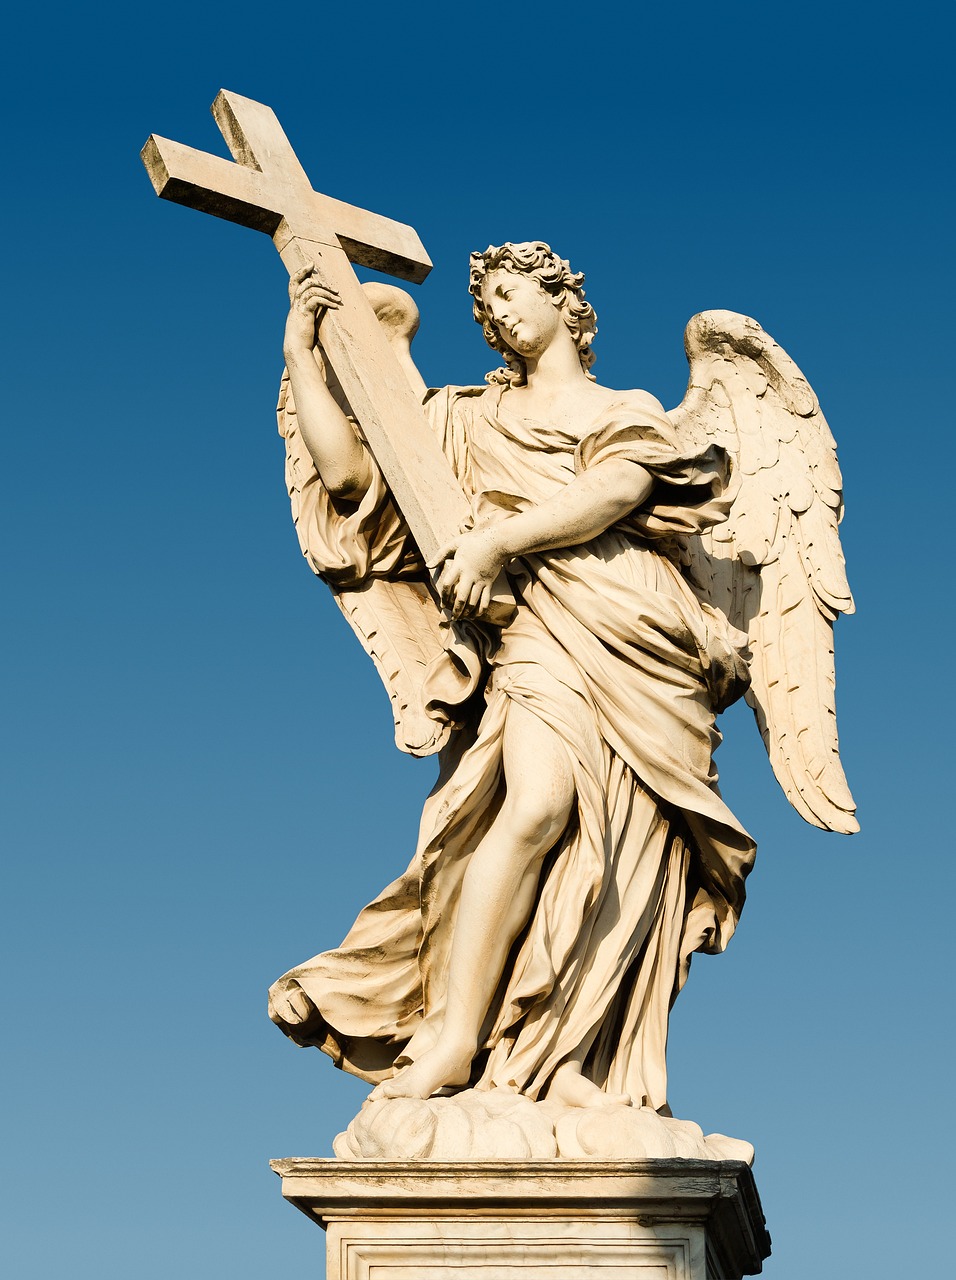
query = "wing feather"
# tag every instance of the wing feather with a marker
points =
(775, 568)
(793, 696)
(397, 623)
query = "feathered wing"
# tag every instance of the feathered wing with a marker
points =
(396, 619)
(775, 567)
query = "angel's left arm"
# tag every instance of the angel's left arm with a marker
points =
(593, 501)
(590, 503)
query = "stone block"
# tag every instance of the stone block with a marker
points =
(545, 1219)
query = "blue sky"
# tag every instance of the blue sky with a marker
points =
(200, 786)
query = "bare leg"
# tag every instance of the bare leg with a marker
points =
(497, 896)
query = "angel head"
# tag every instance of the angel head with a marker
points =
(532, 279)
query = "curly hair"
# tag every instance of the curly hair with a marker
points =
(533, 258)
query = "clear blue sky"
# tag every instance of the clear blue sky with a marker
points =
(200, 787)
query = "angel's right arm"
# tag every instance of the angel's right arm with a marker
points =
(340, 457)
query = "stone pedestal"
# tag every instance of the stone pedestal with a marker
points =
(544, 1219)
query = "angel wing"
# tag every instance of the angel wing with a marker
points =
(775, 567)
(396, 620)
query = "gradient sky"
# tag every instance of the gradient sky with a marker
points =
(200, 786)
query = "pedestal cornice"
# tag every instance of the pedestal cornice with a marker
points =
(719, 1196)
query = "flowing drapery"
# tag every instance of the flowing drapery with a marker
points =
(613, 651)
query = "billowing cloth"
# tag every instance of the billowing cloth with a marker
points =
(610, 648)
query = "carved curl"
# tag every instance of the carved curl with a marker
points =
(533, 258)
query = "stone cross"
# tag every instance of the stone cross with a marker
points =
(268, 189)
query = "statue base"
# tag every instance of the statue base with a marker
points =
(547, 1219)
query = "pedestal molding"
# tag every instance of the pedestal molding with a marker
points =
(437, 1207)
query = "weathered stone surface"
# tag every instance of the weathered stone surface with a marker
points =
(561, 585)
(538, 938)
(499, 1124)
(544, 1220)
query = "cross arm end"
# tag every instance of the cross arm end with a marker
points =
(209, 183)
(152, 157)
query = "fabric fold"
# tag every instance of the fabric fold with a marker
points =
(612, 650)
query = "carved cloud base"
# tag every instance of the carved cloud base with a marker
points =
(542, 1219)
(498, 1124)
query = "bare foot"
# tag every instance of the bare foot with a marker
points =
(422, 1042)
(440, 1066)
(292, 1006)
(572, 1089)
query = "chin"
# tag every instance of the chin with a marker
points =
(527, 346)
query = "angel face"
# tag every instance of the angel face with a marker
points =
(525, 315)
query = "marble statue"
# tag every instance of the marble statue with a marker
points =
(575, 851)
(561, 586)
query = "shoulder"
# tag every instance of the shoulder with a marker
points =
(632, 411)
(636, 401)
(454, 393)
(635, 425)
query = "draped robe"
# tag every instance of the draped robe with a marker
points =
(611, 648)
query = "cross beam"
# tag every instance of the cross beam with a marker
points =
(268, 189)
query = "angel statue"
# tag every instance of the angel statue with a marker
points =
(575, 851)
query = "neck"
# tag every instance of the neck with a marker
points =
(556, 367)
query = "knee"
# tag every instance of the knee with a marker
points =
(536, 818)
